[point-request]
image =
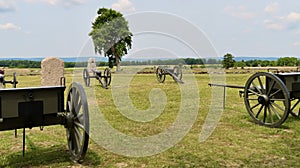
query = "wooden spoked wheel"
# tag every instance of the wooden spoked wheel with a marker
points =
(77, 122)
(178, 72)
(86, 77)
(160, 75)
(107, 76)
(267, 99)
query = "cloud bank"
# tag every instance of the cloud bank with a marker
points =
(123, 6)
(9, 26)
(7, 6)
(65, 3)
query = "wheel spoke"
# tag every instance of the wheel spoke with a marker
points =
(271, 87)
(80, 118)
(260, 83)
(277, 99)
(276, 105)
(271, 115)
(78, 107)
(257, 94)
(274, 93)
(275, 111)
(70, 106)
(255, 106)
(71, 101)
(265, 114)
(259, 90)
(256, 116)
(78, 135)
(75, 97)
(78, 124)
(78, 138)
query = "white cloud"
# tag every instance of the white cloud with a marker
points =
(66, 3)
(9, 26)
(293, 17)
(272, 8)
(287, 22)
(271, 25)
(123, 6)
(7, 5)
(240, 12)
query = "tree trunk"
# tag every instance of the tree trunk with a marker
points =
(117, 58)
(117, 63)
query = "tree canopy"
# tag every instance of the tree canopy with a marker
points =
(228, 61)
(287, 61)
(111, 35)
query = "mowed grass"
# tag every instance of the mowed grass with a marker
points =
(236, 141)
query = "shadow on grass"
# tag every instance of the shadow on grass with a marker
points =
(57, 156)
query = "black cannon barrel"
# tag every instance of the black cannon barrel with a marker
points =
(226, 85)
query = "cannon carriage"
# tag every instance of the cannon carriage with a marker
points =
(103, 78)
(92, 72)
(3, 82)
(175, 73)
(22, 108)
(270, 97)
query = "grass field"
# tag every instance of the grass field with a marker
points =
(236, 141)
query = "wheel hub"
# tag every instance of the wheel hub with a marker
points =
(263, 99)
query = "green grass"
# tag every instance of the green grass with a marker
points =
(236, 141)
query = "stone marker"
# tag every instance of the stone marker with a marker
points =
(52, 71)
(92, 65)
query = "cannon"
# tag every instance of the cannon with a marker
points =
(103, 78)
(269, 97)
(23, 108)
(175, 73)
(3, 82)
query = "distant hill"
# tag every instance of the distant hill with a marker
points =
(255, 58)
(105, 59)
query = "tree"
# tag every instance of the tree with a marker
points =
(228, 61)
(287, 61)
(111, 35)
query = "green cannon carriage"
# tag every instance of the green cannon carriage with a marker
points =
(103, 78)
(270, 97)
(175, 73)
(22, 108)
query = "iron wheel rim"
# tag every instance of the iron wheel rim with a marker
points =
(77, 125)
(267, 99)
(86, 77)
(160, 75)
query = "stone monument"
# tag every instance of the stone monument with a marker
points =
(52, 71)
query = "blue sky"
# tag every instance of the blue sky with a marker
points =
(41, 28)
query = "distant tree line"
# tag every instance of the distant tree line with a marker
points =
(20, 64)
(37, 64)
(228, 60)
(184, 61)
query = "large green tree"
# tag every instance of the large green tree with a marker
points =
(111, 35)
(228, 61)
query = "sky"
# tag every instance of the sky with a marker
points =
(42, 28)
